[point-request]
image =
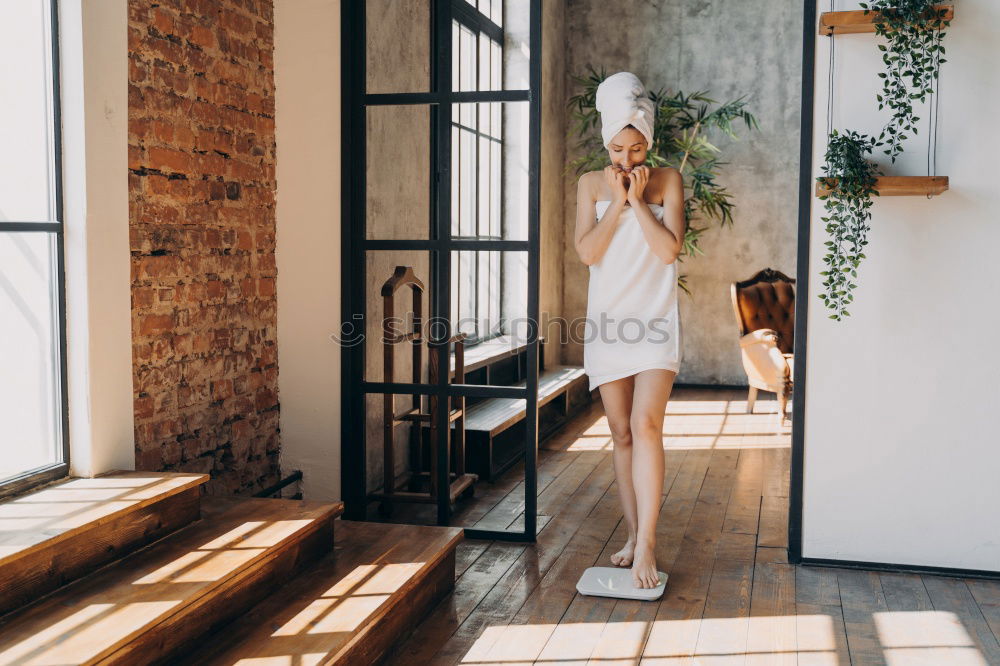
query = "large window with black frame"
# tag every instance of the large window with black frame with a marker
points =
(32, 344)
(476, 168)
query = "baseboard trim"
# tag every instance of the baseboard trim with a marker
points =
(900, 568)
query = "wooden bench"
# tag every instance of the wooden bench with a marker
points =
(486, 421)
(493, 441)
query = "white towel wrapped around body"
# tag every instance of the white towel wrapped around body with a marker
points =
(633, 318)
(622, 100)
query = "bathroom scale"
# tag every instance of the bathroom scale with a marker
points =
(617, 582)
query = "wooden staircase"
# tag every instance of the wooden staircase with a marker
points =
(139, 568)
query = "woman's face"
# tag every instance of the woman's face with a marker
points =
(627, 149)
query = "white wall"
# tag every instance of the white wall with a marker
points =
(307, 115)
(94, 63)
(901, 415)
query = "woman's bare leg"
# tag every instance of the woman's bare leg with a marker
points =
(617, 399)
(649, 405)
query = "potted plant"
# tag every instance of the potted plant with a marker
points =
(850, 181)
(679, 140)
(913, 31)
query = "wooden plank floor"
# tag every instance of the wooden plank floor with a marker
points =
(732, 597)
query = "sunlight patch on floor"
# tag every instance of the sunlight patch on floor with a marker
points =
(691, 425)
(926, 637)
(914, 637)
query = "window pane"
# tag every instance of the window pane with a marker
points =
(465, 319)
(456, 189)
(29, 353)
(456, 64)
(398, 49)
(484, 192)
(496, 66)
(490, 176)
(515, 118)
(483, 269)
(467, 184)
(397, 172)
(27, 169)
(496, 196)
(480, 299)
(484, 62)
(468, 65)
(517, 46)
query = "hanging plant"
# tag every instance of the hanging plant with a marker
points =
(850, 178)
(680, 124)
(913, 30)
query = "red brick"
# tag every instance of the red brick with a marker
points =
(164, 49)
(157, 266)
(162, 21)
(222, 389)
(149, 460)
(266, 287)
(167, 159)
(202, 36)
(171, 453)
(142, 297)
(143, 407)
(157, 323)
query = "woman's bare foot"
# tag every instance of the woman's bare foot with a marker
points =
(623, 557)
(644, 574)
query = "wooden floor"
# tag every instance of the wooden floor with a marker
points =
(732, 598)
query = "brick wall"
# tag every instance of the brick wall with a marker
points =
(202, 230)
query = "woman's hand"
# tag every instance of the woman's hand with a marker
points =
(637, 184)
(616, 180)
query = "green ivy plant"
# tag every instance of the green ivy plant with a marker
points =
(850, 179)
(913, 30)
(679, 140)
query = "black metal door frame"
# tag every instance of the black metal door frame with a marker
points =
(354, 245)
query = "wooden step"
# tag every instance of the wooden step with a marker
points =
(54, 535)
(352, 606)
(155, 603)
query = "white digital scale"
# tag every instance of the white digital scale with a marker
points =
(617, 582)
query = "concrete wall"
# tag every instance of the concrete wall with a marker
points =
(900, 423)
(729, 49)
(551, 201)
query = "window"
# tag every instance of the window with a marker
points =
(32, 344)
(476, 168)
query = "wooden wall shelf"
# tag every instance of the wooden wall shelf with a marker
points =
(856, 21)
(901, 186)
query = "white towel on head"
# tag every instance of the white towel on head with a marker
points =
(622, 100)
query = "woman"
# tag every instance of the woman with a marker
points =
(632, 349)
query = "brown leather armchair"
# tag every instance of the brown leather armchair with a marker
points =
(765, 313)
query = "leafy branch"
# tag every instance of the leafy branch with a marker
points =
(913, 30)
(850, 178)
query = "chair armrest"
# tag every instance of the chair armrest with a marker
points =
(763, 361)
